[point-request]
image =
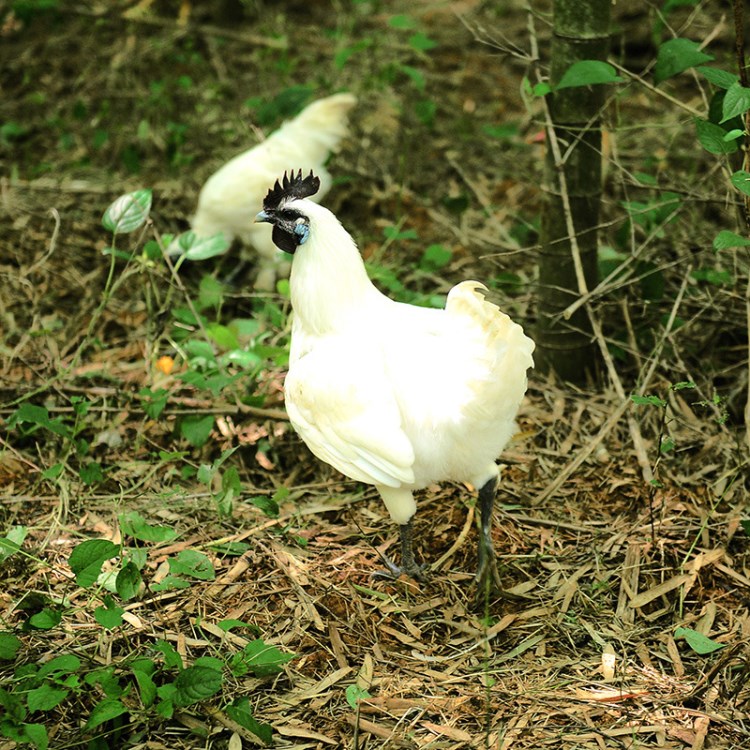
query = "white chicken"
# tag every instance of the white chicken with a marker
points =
(391, 394)
(230, 197)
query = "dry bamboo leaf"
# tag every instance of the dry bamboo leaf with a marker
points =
(451, 732)
(608, 695)
(645, 597)
(298, 730)
(609, 661)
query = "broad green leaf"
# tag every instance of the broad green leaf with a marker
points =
(667, 445)
(87, 558)
(245, 359)
(269, 506)
(239, 710)
(720, 78)
(715, 276)
(227, 625)
(36, 734)
(170, 582)
(741, 180)
(501, 131)
(197, 429)
(726, 239)
(135, 525)
(154, 401)
(91, 473)
(733, 135)
(677, 55)
(231, 549)
(196, 684)
(32, 414)
(222, 336)
(12, 542)
(416, 76)
(541, 89)
(172, 658)
(128, 581)
(354, 694)
(110, 615)
(260, 659)
(146, 687)
(201, 248)
(10, 645)
(648, 400)
(47, 619)
(128, 212)
(712, 138)
(425, 110)
(45, 698)
(210, 292)
(421, 42)
(402, 21)
(435, 257)
(700, 643)
(53, 472)
(104, 711)
(588, 73)
(59, 665)
(394, 233)
(736, 101)
(192, 563)
(745, 523)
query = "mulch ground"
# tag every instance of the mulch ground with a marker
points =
(601, 566)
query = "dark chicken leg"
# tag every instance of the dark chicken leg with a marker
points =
(487, 576)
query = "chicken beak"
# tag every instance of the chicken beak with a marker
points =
(261, 217)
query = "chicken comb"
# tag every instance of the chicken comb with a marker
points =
(291, 188)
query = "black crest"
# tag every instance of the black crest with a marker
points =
(291, 188)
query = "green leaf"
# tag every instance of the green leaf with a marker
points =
(667, 445)
(53, 472)
(733, 135)
(588, 73)
(196, 684)
(135, 525)
(269, 506)
(721, 78)
(47, 619)
(677, 55)
(146, 686)
(402, 21)
(128, 212)
(172, 658)
(745, 523)
(10, 645)
(260, 659)
(192, 563)
(682, 385)
(741, 180)
(154, 401)
(197, 429)
(210, 292)
(60, 665)
(91, 473)
(32, 414)
(541, 89)
(239, 710)
(222, 336)
(394, 233)
(435, 257)
(726, 239)
(508, 130)
(170, 582)
(421, 42)
(45, 698)
(425, 110)
(736, 101)
(87, 558)
(36, 734)
(700, 643)
(417, 77)
(712, 138)
(128, 581)
(354, 694)
(715, 276)
(110, 615)
(104, 711)
(648, 400)
(12, 542)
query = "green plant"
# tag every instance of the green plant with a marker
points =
(151, 682)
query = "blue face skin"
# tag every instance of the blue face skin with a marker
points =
(290, 228)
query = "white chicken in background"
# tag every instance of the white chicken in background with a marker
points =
(230, 198)
(391, 394)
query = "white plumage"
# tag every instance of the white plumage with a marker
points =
(391, 394)
(230, 198)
